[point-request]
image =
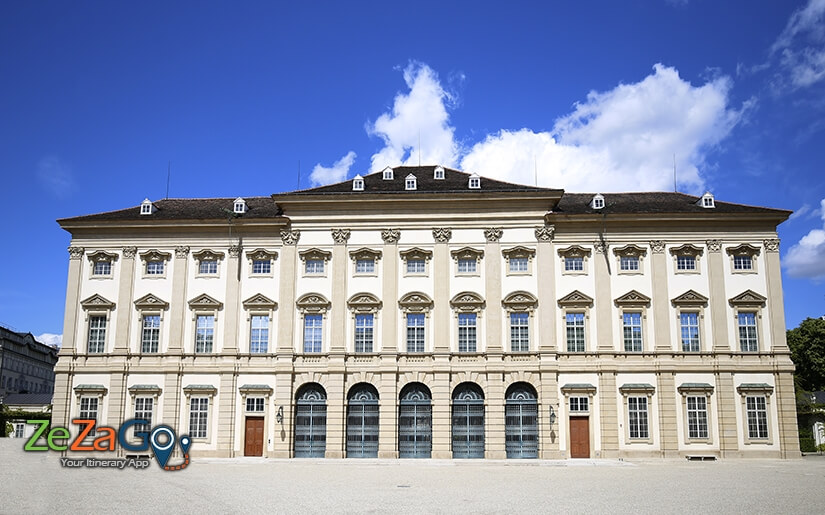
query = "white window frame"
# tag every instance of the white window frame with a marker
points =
(213, 340)
(102, 258)
(151, 260)
(520, 255)
(312, 304)
(265, 258)
(266, 329)
(467, 303)
(742, 252)
(630, 254)
(310, 259)
(416, 253)
(419, 333)
(201, 415)
(574, 252)
(320, 330)
(101, 340)
(687, 251)
(469, 330)
(466, 256)
(410, 183)
(144, 330)
(364, 333)
(635, 393)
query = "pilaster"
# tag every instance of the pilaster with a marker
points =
(125, 296)
(661, 318)
(225, 420)
(232, 301)
(549, 432)
(546, 279)
(786, 409)
(718, 311)
(340, 259)
(70, 331)
(282, 443)
(604, 301)
(389, 290)
(336, 416)
(726, 408)
(776, 307)
(388, 416)
(494, 434)
(492, 293)
(608, 415)
(442, 423)
(668, 430)
(177, 308)
(286, 292)
(441, 275)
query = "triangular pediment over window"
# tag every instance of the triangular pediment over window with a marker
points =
(97, 301)
(575, 299)
(690, 298)
(204, 301)
(259, 301)
(150, 301)
(748, 298)
(633, 299)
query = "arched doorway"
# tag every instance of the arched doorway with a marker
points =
(362, 421)
(468, 421)
(415, 422)
(521, 422)
(310, 421)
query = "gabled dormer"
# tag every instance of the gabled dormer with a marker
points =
(438, 173)
(706, 201)
(597, 202)
(410, 183)
(475, 182)
(146, 207)
(357, 183)
(239, 206)
(387, 174)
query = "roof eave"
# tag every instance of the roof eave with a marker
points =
(778, 216)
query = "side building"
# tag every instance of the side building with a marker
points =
(26, 365)
(426, 312)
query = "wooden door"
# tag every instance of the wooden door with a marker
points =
(254, 440)
(579, 437)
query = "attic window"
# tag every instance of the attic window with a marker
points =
(240, 206)
(707, 201)
(597, 202)
(439, 173)
(357, 183)
(146, 207)
(410, 182)
(388, 174)
(475, 182)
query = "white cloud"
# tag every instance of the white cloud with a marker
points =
(419, 118)
(619, 140)
(336, 173)
(801, 47)
(806, 259)
(55, 176)
(805, 209)
(50, 339)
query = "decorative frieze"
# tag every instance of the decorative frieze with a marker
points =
(364, 303)
(415, 302)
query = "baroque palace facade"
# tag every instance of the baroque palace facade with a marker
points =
(426, 312)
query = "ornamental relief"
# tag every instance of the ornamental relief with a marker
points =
(261, 255)
(259, 301)
(771, 245)
(416, 253)
(657, 246)
(545, 233)
(690, 298)
(442, 234)
(364, 303)
(493, 234)
(520, 301)
(129, 252)
(630, 250)
(600, 246)
(467, 253)
(156, 255)
(575, 299)
(714, 245)
(415, 302)
(102, 256)
(149, 301)
(748, 298)
(687, 250)
(181, 251)
(467, 302)
(519, 252)
(76, 252)
(312, 303)
(315, 253)
(235, 251)
(745, 249)
(205, 302)
(208, 255)
(391, 236)
(632, 299)
(340, 236)
(97, 301)
(290, 237)
(574, 251)
(365, 253)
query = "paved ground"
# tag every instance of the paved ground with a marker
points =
(36, 483)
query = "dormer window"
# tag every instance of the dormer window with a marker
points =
(410, 182)
(475, 182)
(146, 207)
(438, 174)
(707, 201)
(240, 206)
(387, 174)
(597, 202)
(357, 183)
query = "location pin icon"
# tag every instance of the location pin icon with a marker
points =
(162, 451)
(185, 442)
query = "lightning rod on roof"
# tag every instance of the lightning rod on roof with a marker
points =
(298, 182)
(168, 176)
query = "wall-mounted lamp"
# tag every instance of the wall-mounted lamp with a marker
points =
(552, 416)
(279, 417)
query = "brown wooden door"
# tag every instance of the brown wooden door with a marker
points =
(254, 441)
(579, 437)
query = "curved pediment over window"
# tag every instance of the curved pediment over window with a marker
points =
(630, 251)
(744, 249)
(575, 251)
(102, 255)
(261, 254)
(155, 255)
(687, 250)
(415, 302)
(312, 303)
(467, 253)
(208, 255)
(520, 301)
(365, 253)
(315, 253)
(416, 253)
(364, 303)
(467, 302)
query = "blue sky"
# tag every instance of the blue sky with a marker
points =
(96, 98)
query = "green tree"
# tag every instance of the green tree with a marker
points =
(807, 344)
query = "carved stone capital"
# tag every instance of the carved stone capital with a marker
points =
(391, 236)
(181, 251)
(600, 246)
(76, 252)
(714, 245)
(442, 234)
(340, 236)
(493, 234)
(657, 246)
(235, 251)
(290, 237)
(129, 252)
(771, 245)
(545, 233)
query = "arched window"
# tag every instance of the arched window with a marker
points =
(362, 422)
(521, 422)
(415, 422)
(468, 421)
(311, 422)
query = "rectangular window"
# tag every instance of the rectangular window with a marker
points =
(747, 332)
(629, 263)
(575, 332)
(259, 337)
(637, 417)
(741, 262)
(632, 323)
(208, 266)
(88, 410)
(467, 332)
(466, 266)
(255, 404)
(19, 430)
(364, 266)
(416, 266)
(261, 266)
(519, 332)
(697, 415)
(150, 334)
(685, 263)
(315, 266)
(415, 332)
(579, 404)
(198, 416)
(143, 411)
(102, 268)
(97, 334)
(573, 264)
(204, 333)
(313, 330)
(363, 333)
(518, 264)
(757, 418)
(154, 267)
(689, 326)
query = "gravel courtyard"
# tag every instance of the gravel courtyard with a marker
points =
(36, 483)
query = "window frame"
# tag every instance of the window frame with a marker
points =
(703, 390)
(415, 303)
(520, 303)
(151, 257)
(364, 333)
(573, 303)
(201, 392)
(687, 250)
(207, 256)
(314, 255)
(630, 252)
(756, 391)
(101, 257)
(263, 256)
(467, 255)
(629, 304)
(469, 331)
(364, 255)
(416, 253)
(419, 333)
(311, 305)
(520, 253)
(467, 303)
(575, 252)
(743, 250)
(636, 392)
